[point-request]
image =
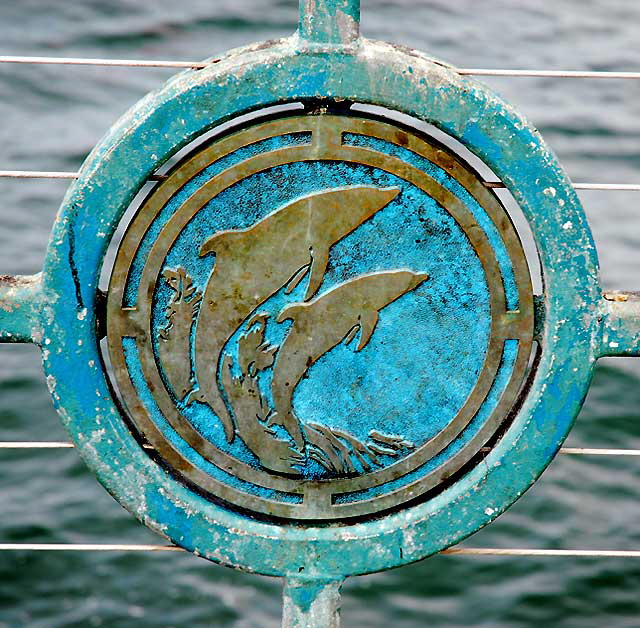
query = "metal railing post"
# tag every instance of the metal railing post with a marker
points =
(311, 603)
(329, 22)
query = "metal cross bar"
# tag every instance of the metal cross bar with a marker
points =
(329, 22)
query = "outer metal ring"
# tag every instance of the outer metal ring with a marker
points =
(374, 73)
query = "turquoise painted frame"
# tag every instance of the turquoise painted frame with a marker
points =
(326, 59)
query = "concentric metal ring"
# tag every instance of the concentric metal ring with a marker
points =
(318, 498)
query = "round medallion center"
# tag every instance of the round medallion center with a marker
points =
(320, 317)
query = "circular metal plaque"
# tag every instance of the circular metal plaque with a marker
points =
(319, 326)
(320, 317)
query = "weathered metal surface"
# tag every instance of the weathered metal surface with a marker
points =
(20, 304)
(311, 603)
(258, 314)
(324, 65)
(619, 318)
(329, 23)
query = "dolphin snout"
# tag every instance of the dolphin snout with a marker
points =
(374, 199)
(417, 279)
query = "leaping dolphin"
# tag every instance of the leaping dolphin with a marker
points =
(253, 264)
(321, 324)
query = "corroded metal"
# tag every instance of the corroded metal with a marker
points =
(311, 604)
(20, 303)
(413, 493)
(286, 249)
(620, 334)
(329, 23)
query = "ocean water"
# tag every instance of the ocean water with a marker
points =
(50, 117)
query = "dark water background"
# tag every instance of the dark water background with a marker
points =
(50, 117)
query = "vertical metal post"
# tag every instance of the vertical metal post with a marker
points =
(329, 22)
(311, 603)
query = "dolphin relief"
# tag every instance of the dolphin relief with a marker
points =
(252, 264)
(320, 325)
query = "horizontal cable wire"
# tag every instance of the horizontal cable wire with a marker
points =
(39, 444)
(453, 551)
(563, 450)
(548, 73)
(494, 551)
(599, 452)
(125, 63)
(36, 445)
(43, 174)
(87, 547)
(628, 187)
(147, 63)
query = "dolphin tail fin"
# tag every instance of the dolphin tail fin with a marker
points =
(368, 322)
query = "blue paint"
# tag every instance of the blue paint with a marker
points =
(473, 429)
(189, 105)
(473, 136)
(442, 177)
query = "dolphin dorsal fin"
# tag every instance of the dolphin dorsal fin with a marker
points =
(368, 322)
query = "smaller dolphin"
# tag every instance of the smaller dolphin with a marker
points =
(321, 324)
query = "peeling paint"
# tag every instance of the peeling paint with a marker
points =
(20, 306)
(575, 324)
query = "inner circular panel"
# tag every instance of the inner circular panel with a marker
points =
(319, 317)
